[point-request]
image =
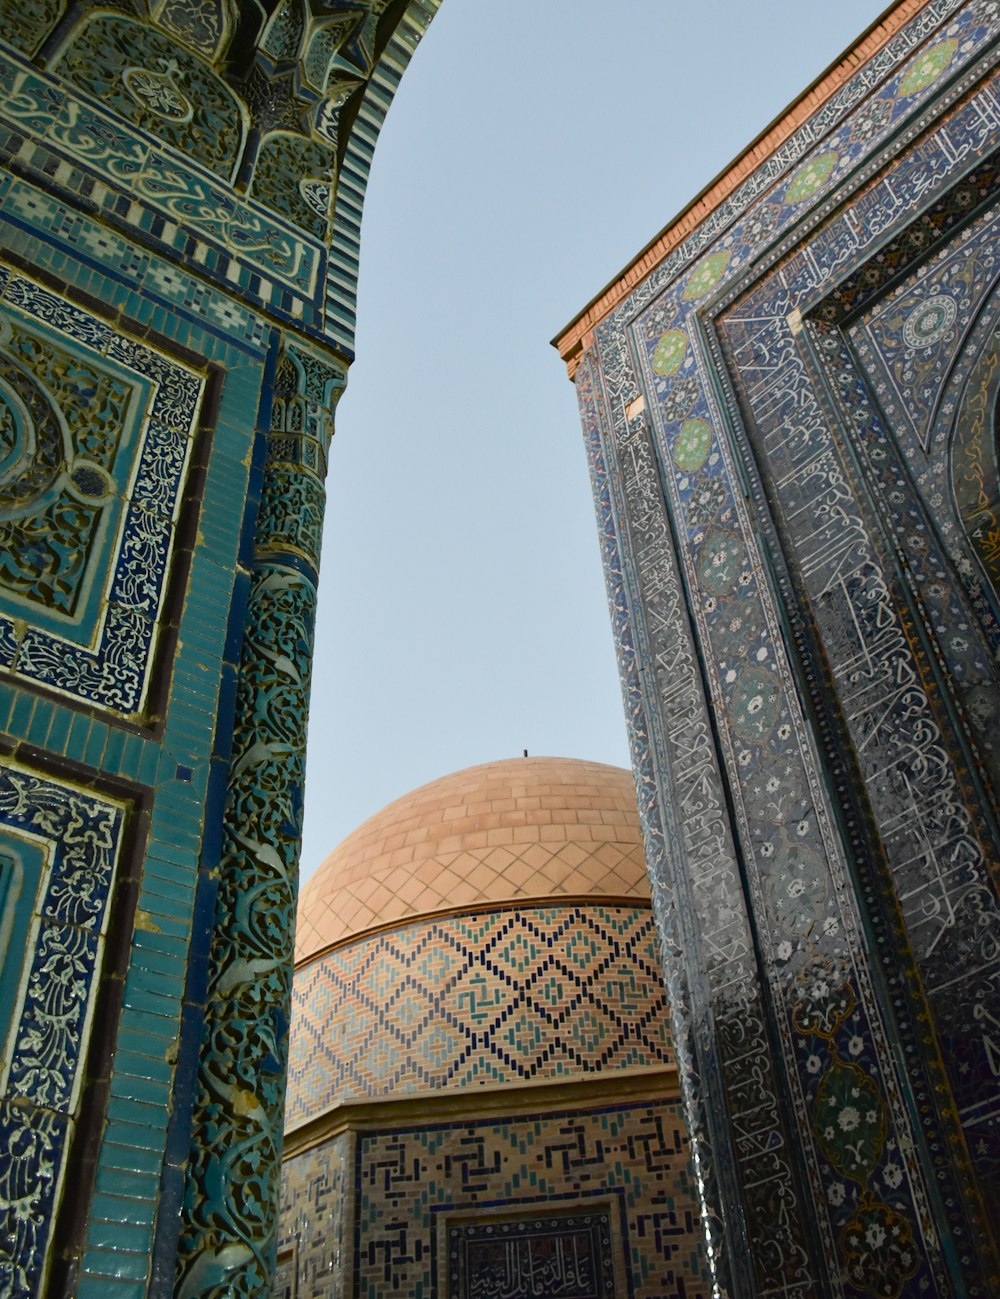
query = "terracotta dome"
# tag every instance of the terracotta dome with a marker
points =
(517, 829)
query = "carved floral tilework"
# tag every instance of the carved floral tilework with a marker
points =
(54, 228)
(61, 898)
(96, 432)
(188, 201)
(144, 77)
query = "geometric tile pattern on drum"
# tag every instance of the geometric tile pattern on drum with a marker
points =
(483, 999)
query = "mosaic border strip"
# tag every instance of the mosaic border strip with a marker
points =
(39, 114)
(115, 673)
(45, 1052)
(52, 226)
(506, 996)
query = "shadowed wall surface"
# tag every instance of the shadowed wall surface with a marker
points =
(789, 400)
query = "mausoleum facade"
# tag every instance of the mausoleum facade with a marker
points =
(790, 401)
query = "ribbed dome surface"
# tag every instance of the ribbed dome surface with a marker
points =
(520, 828)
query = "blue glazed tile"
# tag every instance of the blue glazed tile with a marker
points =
(150, 1001)
(39, 1136)
(46, 1055)
(146, 941)
(151, 1091)
(127, 1159)
(147, 1140)
(102, 1287)
(118, 1265)
(119, 1234)
(130, 1184)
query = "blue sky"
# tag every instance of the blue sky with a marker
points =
(534, 147)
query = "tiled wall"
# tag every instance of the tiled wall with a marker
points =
(494, 997)
(789, 413)
(616, 1177)
(146, 305)
(114, 645)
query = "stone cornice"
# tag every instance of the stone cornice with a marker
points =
(577, 335)
(467, 1104)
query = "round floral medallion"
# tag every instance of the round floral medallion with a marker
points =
(927, 67)
(706, 275)
(929, 322)
(720, 562)
(811, 177)
(692, 445)
(158, 92)
(671, 349)
(850, 1120)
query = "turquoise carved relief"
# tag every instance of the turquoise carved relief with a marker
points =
(227, 1249)
(148, 79)
(296, 178)
(129, 139)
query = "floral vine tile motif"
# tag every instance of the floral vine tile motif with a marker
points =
(849, 1115)
(96, 432)
(57, 877)
(879, 1243)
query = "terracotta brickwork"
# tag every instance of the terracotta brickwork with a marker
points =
(526, 828)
